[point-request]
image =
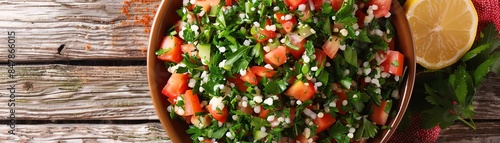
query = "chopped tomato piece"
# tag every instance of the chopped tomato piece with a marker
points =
(177, 84)
(179, 24)
(249, 77)
(264, 34)
(287, 25)
(276, 57)
(380, 113)
(361, 18)
(324, 123)
(205, 5)
(341, 93)
(293, 4)
(248, 110)
(191, 103)
(317, 4)
(320, 57)
(331, 46)
(297, 53)
(301, 138)
(240, 84)
(172, 45)
(301, 91)
(262, 71)
(263, 112)
(189, 48)
(336, 4)
(383, 7)
(229, 2)
(394, 63)
(219, 115)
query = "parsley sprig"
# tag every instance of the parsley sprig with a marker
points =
(448, 96)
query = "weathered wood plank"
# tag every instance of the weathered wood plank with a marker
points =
(90, 29)
(487, 100)
(62, 92)
(144, 133)
(486, 132)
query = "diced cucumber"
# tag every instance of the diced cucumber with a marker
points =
(204, 51)
(274, 44)
(257, 135)
(213, 11)
(253, 31)
(305, 31)
(248, 7)
(346, 83)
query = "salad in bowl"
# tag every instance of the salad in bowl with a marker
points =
(281, 70)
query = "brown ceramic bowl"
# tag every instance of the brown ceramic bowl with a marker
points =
(158, 75)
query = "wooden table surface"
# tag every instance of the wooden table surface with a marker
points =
(96, 89)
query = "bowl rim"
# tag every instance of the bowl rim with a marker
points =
(384, 136)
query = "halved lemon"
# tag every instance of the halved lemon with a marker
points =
(443, 30)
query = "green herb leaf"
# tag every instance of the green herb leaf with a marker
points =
(275, 87)
(351, 56)
(472, 53)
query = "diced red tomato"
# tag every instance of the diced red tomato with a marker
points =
(301, 91)
(177, 84)
(394, 63)
(331, 46)
(220, 116)
(262, 71)
(263, 112)
(205, 5)
(287, 25)
(264, 34)
(189, 48)
(240, 84)
(301, 138)
(361, 18)
(324, 123)
(341, 97)
(320, 57)
(306, 14)
(293, 4)
(383, 7)
(191, 103)
(249, 77)
(173, 45)
(317, 4)
(380, 113)
(248, 110)
(187, 119)
(336, 4)
(171, 100)
(276, 57)
(229, 2)
(297, 53)
(179, 24)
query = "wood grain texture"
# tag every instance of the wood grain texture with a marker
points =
(88, 133)
(62, 92)
(487, 99)
(90, 29)
(486, 132)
